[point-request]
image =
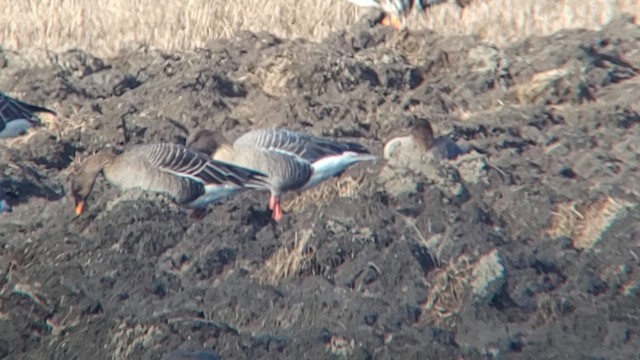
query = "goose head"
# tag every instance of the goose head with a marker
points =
(420, 137)
(84, 177)
(206, 141)
(422, 134)
(442, 147)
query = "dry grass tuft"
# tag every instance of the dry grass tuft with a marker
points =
(19, 140)
(550, 308)
(104, 28)
(127, 339)
(585, 223)
(536, 89)
(274, 74)
(60, 324)
(344, 186)
(340, 346)
(32, 292)
(288, 261)
(506, 21)
(449, 289)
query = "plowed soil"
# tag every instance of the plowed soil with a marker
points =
(525, 248)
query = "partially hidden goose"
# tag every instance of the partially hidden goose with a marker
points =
(292, 160)
(396, 11)
(421, 138)
(16, 117)
(5, 206)
(190, 178)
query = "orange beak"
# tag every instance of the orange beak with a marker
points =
(80, 207)
(385, 20)
(394, 21)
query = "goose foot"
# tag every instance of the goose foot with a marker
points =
(277, 210)
(394, 21)
(198, 214)
(272, 202)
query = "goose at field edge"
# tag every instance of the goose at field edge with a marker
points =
(396, 11)
(16, 117)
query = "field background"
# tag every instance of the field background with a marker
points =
(103, 29)
(526, 248)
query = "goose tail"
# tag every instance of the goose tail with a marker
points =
(336, 165)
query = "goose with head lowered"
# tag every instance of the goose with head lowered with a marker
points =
(291, 160)
(189, 177)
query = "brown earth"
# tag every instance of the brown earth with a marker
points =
(526, 248)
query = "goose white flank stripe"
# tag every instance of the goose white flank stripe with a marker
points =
(16, 117)
(4, 206)
(292, 160)
(190, 178)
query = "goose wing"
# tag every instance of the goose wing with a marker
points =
(13, 109)
(308, 147)
(286, 170)
(181, 161)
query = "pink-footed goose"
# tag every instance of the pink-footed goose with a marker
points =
(189, 177)
(292, 160)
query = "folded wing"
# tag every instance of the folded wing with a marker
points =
(308, 147)
(14, 109)
(181, 161)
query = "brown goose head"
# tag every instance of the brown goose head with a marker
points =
(206, 141)
(84, 177)
(422, 134)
